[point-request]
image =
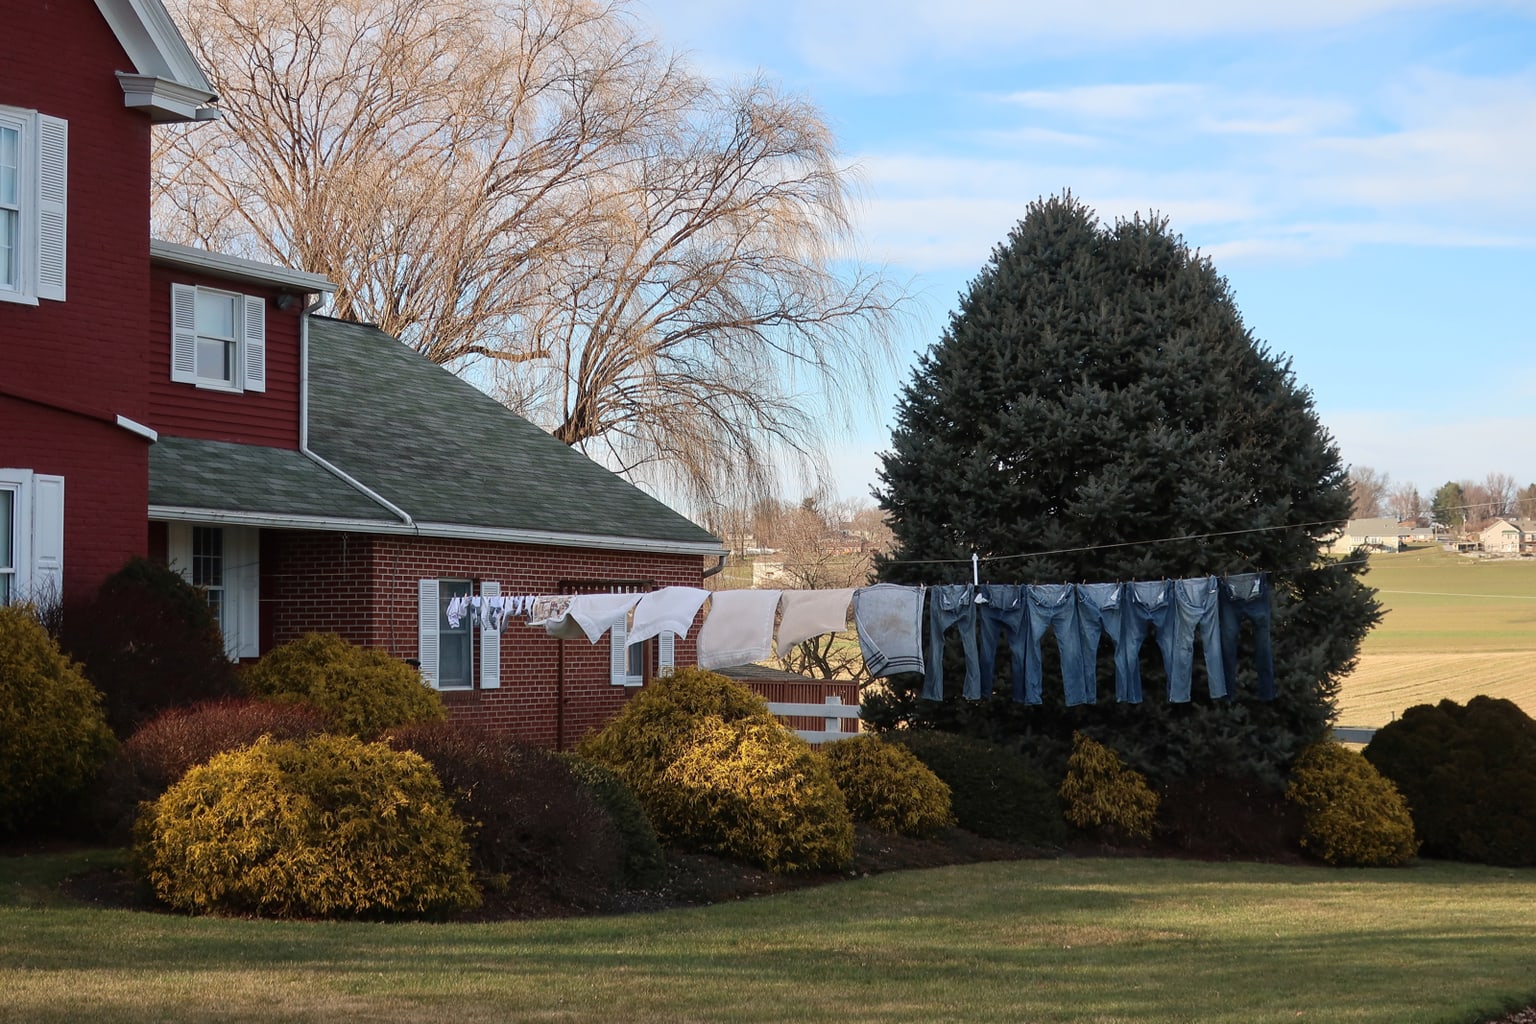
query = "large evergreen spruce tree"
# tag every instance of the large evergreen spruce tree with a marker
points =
(1097, 411)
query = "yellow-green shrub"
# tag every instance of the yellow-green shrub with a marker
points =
(888, 788)
(53, 733)
(1352, 814)
(714, 770)
(325, 827)
(363, 691)
(1101, 793)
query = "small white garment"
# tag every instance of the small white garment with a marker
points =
(808, 613)
(591, 615)
(668, 610)
(738, 629)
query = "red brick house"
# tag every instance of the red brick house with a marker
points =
(310, 474)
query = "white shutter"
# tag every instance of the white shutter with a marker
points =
(47, 585)
(426, 629)
(254, 350)
(666, 652)
(242, 579)
(52, 196)
(618, 652)
(184, 334)
(178, 548)
(490, 643)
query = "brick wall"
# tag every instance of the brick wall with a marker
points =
(363, 587)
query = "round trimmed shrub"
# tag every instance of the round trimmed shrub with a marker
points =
(1101, 794)
(1352, 815)
(363, 691)
(53, 735)
(994, 791)
(645, 865)
(148, 641)
(535, 829)
(160, 751)
(888, 788)
(1468, 774)
(715, 770)
(325, 827)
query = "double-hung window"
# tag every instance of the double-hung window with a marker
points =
(218, 339)
(33, 188)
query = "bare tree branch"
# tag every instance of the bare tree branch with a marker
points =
(654, 267)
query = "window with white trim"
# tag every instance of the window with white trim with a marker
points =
(223, 562)
(31, 537)
(218, 338)
(34, 152)
(446, 652)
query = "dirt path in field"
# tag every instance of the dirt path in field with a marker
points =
(1383, 686)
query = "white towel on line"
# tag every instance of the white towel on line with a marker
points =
(808, 613)
(668, 610)
(591, 615)
(738, 629)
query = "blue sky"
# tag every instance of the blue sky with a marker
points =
(1363, 172)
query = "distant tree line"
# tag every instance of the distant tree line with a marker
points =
(1454, 504)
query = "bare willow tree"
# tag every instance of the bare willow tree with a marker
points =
(653, 266)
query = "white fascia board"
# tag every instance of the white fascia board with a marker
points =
(135, 427)
(235, 267)
(444, 531)
(156, 46)
(604, 542)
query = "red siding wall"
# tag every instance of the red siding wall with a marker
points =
(87, 353)
(364, 588)
(268, 417)
(106, 485)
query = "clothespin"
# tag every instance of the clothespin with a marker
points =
(980, 598)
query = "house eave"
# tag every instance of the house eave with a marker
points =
(236, 268)
(150, 38)
(443, 531)
(166, 101)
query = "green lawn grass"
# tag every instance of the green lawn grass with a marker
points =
(1142, 940)
(1441, 603)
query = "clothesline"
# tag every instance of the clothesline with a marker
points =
(739, 627)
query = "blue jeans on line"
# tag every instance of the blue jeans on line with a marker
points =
(1146, 603)
(1100, 610)
(1247, 596)
(1004, 608)
(951, 605)
(1195, 614)
(1053, 608)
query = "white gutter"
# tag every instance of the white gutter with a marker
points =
(507, 535)
(336, 471)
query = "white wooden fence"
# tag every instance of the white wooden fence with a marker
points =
(832, 712)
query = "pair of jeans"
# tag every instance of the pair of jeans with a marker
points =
(1196, 613)
(1003, 607)
(1247, 596)
(953, 605)
(889, 618)
(1101, 610)
(1053, 608)
(1144, 604)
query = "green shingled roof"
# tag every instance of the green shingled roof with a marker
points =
(447, 453)
(192, 474)
(455, 460)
